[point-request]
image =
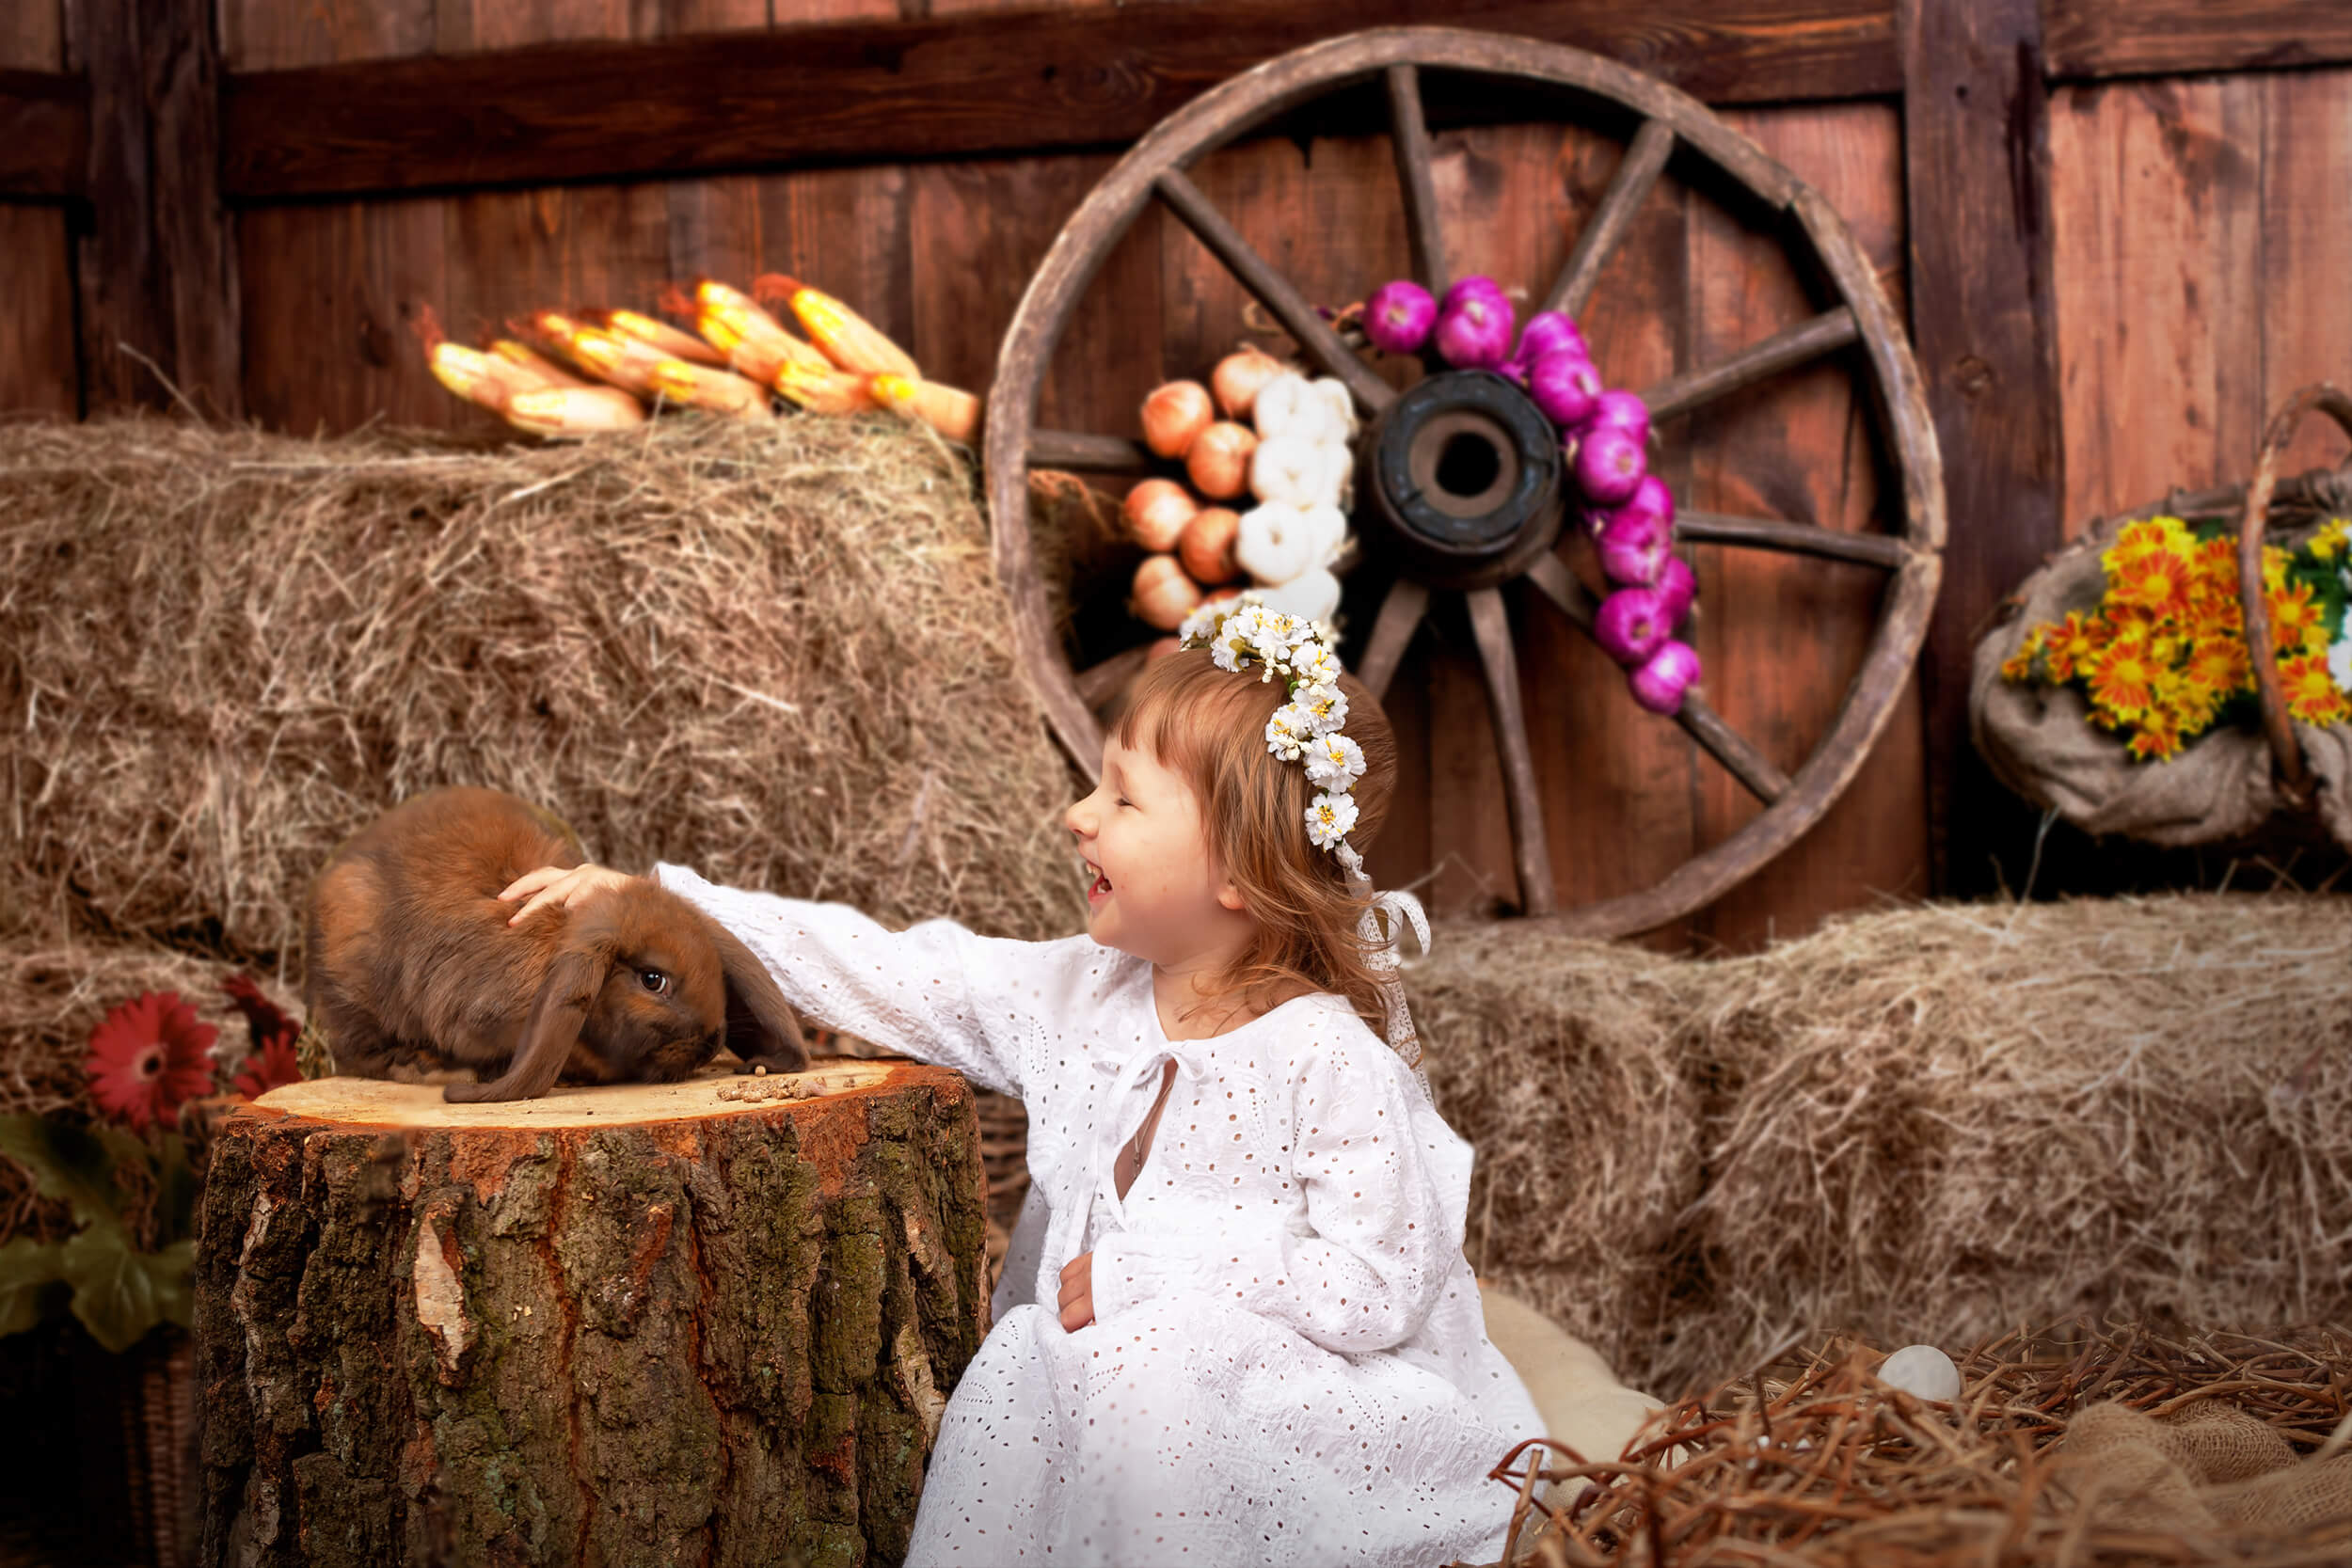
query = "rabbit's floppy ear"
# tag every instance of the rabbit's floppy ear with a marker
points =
(557, 1013)
(760, 1024)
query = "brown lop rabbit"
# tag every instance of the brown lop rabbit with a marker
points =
(411, 959)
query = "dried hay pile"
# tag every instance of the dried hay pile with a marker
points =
(1922, 1125)
(1560, 1061)
(1815, 1462)
(775, 654)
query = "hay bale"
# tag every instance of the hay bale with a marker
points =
(1557, 1059)
(1926, 1124)
(1936, 1123)
(774, 653)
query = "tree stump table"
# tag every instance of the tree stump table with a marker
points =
(701, 1322)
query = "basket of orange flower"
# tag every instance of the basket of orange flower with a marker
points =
(2184, 671)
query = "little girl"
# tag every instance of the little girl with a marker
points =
(1235, 1324)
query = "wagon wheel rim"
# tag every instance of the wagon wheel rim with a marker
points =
(1154, 169)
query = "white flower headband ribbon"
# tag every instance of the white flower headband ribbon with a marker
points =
(1240, 630)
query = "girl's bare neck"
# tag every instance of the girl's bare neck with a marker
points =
(1190, 1009)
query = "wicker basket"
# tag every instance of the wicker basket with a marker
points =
(2228, 782)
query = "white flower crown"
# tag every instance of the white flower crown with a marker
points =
(1241, 629)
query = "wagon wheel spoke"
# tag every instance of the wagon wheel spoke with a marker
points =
(1702, 723)
(1800, 344)
(1400, 612)
(1490, 626)
(1087, 453)
(1273, 290)
(1409, 132)
(1098, 682)
(1768, 533)
(1636, 173)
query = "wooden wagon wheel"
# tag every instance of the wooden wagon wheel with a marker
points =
(1668, 121)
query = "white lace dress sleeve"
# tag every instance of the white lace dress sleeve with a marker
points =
(934, 991)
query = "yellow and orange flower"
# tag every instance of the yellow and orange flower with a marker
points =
(2275, 563)
(2221, 663)
(2124, 680)
(2157, 737)
(2164, 653)
(2157, 583)
(2073, 643)
(2019, 665)
(2187, 700)
(2295, 620)
(2310, 691)
(2148, 534)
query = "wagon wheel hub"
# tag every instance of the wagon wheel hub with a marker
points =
(1464, 476)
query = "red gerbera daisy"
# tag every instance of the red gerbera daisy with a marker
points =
(149, 1056)
(271, 1066)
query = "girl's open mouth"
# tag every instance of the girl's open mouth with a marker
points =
(1100, 887)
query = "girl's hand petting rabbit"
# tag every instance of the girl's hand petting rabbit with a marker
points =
(562, 886)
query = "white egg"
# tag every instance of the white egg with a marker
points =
(1922, 1371)
(1310, 595)
(1275, 542)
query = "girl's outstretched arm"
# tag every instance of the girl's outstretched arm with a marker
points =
(1384, 1233)
(926, 991)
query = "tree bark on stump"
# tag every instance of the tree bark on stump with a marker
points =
(697, 1323)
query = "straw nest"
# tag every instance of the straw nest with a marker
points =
(1813, 1461)
(1920, 1125)
(775, 652)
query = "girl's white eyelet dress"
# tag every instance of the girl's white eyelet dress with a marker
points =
(1288, 1362)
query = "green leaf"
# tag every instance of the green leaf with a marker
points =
(173, 1269)
(177, 1190)
(27, 1270)
(67, 1163)
(114, 1292)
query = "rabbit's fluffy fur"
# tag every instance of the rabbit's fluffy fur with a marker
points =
(411, 958)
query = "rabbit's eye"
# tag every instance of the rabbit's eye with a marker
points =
(655, 981)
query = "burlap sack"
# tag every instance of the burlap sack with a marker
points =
(2204, 1467)
(2039, 740)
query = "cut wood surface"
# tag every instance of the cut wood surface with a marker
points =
(713, 1321)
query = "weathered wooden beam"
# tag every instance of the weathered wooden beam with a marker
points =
(156, 267)
(44, 135)
(938, 87)
(2089, 39)
(1976, 161)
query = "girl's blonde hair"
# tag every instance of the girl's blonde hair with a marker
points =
(1207, 727)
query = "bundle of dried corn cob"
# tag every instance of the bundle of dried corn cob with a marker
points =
(618, 365)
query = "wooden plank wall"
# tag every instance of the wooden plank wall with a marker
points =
(2203, 259)
(38, 372)
(2201, 231)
